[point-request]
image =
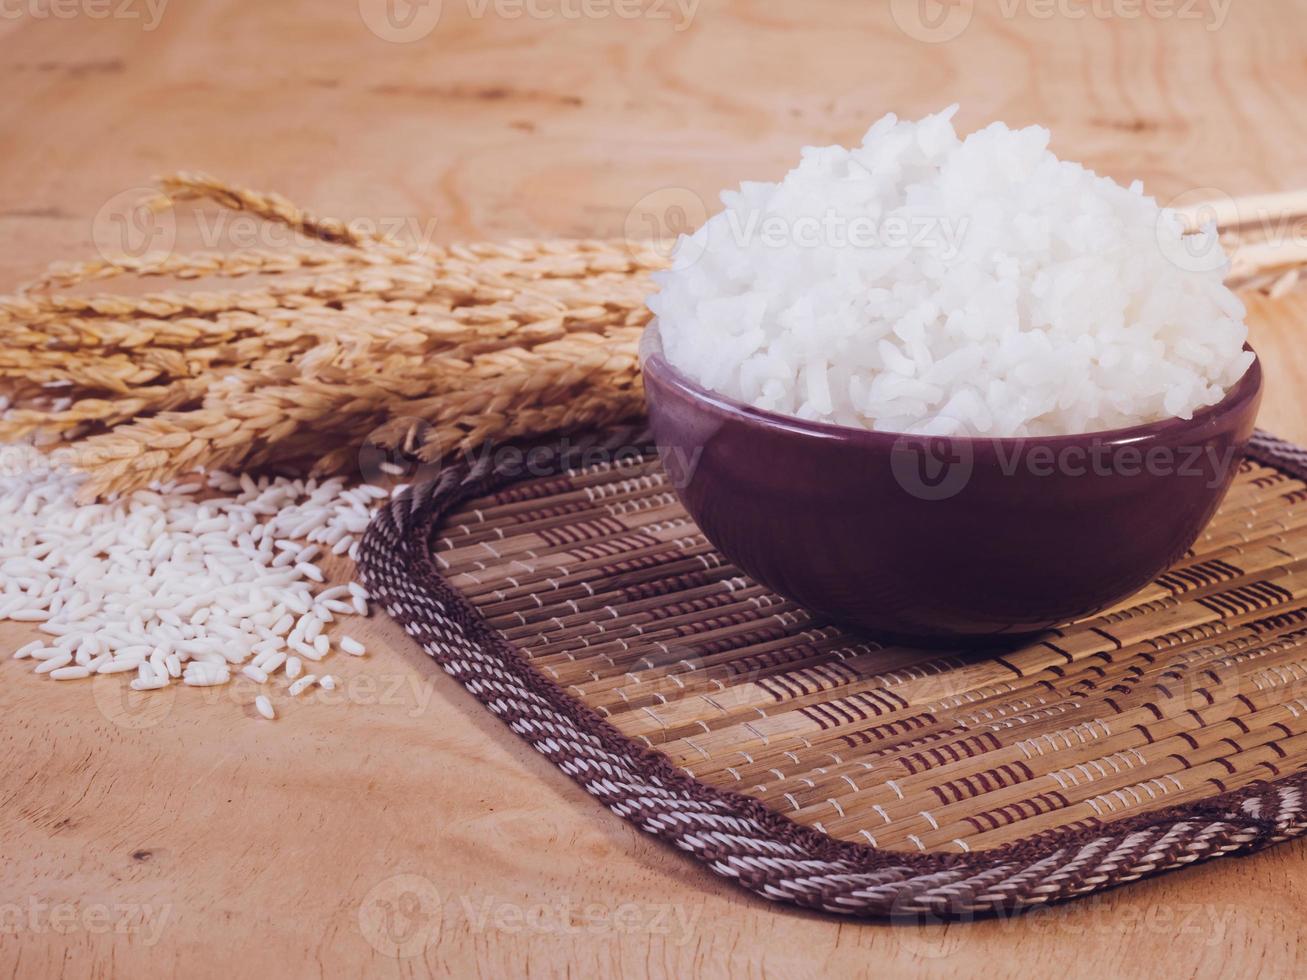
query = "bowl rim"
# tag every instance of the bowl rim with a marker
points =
(654, 362)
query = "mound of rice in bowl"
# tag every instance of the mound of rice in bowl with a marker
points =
(928, 284)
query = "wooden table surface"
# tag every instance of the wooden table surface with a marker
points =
(188, 838)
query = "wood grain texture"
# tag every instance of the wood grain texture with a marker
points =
(221, 845)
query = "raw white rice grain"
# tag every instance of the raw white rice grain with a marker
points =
(301, 685)
(161, 586)
(23, 652)
(271, 663)
(309, 571)
(54, 663)
(70, 673)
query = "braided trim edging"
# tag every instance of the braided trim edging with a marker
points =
(735, 835)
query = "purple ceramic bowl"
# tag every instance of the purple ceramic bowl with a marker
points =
(932, 539)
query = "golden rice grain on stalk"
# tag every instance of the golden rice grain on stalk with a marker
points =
(273, 207)
(20, 423)
(323, 413)
(246, 262)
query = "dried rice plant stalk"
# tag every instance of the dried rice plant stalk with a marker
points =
(309, 353)
(245, 424)
(490, 339)
(194, 266)
(21, 423)
(272, 207)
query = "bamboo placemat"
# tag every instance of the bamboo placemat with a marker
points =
(817, 766)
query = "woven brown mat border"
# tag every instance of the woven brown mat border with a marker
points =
(735, 835)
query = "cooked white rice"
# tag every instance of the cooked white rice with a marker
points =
(922, 283)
